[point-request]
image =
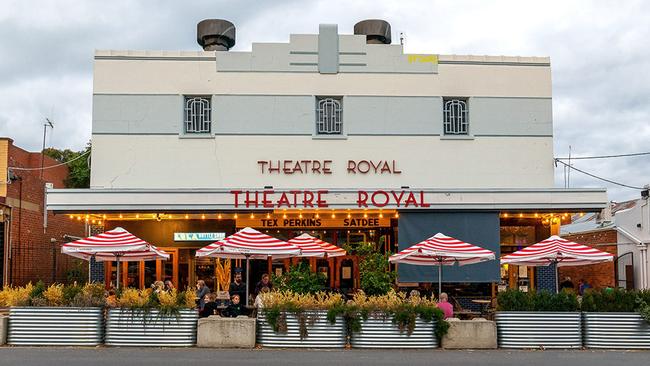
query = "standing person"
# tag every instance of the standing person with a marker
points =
(582, 286)
(445, 306)
(237, 287)
(201, 291)
(264, 282)
(567, 284)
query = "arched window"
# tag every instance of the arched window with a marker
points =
(455, 117)
(329, 116)
(198, 115)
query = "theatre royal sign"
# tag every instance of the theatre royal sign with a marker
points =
(319, 198)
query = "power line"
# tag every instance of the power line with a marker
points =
(604, 156)
(557, 160)
(52, 166)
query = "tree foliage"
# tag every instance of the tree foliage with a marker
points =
(375, 277)
(300, 279)
(79, 169)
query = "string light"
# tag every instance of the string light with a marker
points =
(236, 216)
(333, 215)
(72, 216)
(137, 216)
(521, 215)
(100, 222)
(169, 216)
(300, 215)
(93, 221)
(121, 216)
(317, 216)
(104, 216)
(505, 214)
(284, 216)
(396, 215)
(252, 216)
(349, 215)
(219, 216)
(79, 218)
(187, 216)
(582, 214)
(536, 215)
(202, 217)
(87, 216)
(268, 216)
(365, 215)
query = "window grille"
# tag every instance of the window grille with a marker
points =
(455, 117)
(198, 115)
(329, 116)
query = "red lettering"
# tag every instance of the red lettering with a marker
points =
(326, 167)
(262, 164)
(315, 166)
(284, 200)
(362, 198)
(320, 202)
(286, 167)
(295, 197)
(236, 193)
(352, 167)
(385, 168)
(265, 201)
(367, 165)
(395, 171)
(306, 163)
(307, 199)
(297, 168)
(272, 169)
(379, 204)
(398, 199)
(375, 167)
(249, 201)
(411, 200)
(422, 203)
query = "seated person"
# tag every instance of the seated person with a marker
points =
(445, 306)
(210, 307)
(234, 309)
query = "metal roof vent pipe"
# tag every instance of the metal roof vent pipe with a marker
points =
(215, 34)
(377, 31)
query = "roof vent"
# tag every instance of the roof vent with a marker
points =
(377, 31)
(215, 34)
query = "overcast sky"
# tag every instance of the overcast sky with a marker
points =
(599, 51)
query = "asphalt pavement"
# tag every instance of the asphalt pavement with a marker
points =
(70, 356)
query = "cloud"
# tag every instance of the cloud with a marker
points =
(598, 50)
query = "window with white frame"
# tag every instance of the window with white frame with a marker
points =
(329, 116)
(198, 114)
(455, 116)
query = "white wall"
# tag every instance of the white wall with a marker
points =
(636, 222)
(167, 161)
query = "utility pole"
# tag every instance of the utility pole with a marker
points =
(45, 125)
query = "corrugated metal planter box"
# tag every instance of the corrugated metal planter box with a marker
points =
(320, 332)
(55, 326)
(382, 333)
(539, 329)
(615, 330)
(136, 328)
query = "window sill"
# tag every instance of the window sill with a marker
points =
(329, 137)
(457, 137)
(196, 136)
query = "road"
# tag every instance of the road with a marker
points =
(27, 356)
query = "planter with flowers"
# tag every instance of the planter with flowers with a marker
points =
(292, 320)
(616, 318)
(146, 318)
(538, 320)
(66, 315)
(394, 321)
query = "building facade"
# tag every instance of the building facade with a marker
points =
(341, 135)
(30, 241)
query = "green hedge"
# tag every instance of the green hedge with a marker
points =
(515, 300)
(614, 300)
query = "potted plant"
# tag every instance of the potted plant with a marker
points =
(394, 321)
(147, 318)
(67, 315)
(291, 319)
(538, 320)
(616, 318)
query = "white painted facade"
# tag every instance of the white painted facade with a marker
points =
(633, 227)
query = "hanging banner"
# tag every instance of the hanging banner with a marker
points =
(313, 223)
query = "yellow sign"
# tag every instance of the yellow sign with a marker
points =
(314, 223)
(432, 59)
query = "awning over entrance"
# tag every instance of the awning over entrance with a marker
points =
(89, 200)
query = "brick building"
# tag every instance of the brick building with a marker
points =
(597, 275)
(29, 241)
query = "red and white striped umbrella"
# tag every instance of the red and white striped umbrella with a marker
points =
(314, 247)
(249, 243)
(557, 250)
(441, 250)
(114, 245)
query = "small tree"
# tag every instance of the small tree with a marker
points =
(376, 278)
(300, 279)
(79, 169)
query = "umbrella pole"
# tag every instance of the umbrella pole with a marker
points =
(439, 278)
(557, 281)
(117, 280)
(248, 267)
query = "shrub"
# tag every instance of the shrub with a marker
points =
(375, 278)
(300, 279)
(54, 295)
(16, 296)
(515, 300)
(613, 300)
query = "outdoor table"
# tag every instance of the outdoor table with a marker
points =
(485, 304)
